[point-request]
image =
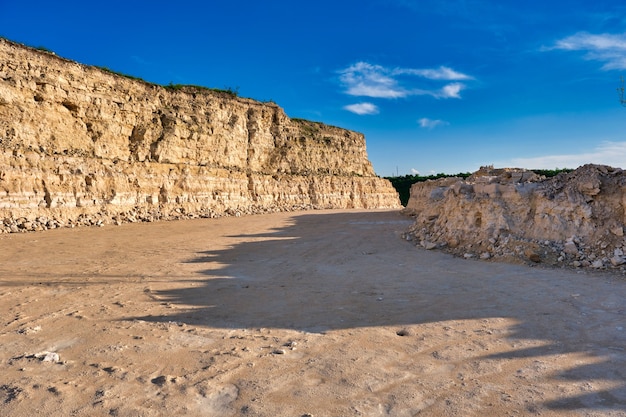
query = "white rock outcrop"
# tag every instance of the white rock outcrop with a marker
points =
(574, 218)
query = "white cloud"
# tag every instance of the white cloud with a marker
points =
(441, 73)
(368, 80)
(586, 41)
(607, 153)
(607, 48)
(362, 108)
(363, 79)
(427, 123)
(451, 91)
(414, 171)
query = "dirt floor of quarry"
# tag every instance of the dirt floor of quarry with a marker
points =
(325, 313)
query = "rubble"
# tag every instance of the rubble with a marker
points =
(574, 219)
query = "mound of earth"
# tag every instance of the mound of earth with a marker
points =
(574, 219)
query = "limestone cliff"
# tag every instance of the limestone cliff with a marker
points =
(81, 143)
(574, 219)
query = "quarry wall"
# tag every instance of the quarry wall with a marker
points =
(81, 145)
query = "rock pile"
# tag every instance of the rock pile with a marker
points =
(574, 219)
(135, 215)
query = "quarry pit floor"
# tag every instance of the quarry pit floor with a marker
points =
(316, 313)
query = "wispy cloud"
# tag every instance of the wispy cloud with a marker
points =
(607, 48)
(362, 108)
(414, 171)
(427, 123)
(451, 91)
(363, 79)
(441, 73)
(607, 153)
(368, 80)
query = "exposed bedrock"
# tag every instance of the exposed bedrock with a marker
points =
(574, 219)
(79, 144)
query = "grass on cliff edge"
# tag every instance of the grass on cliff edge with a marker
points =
(402, 184)
(234, 92)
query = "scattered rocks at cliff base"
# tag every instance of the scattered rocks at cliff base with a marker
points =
(136, 215)
(570, 248)
(574, 219)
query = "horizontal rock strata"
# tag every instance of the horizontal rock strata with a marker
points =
(575, 219)
(81, 145)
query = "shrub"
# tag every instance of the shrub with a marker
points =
(234, 92)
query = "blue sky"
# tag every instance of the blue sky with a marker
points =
(435, 86)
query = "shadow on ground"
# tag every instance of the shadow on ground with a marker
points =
(340, 271)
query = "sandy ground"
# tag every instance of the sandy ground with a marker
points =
(326, 313)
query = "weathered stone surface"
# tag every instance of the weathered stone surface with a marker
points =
(617, 261)
(80, 145)
(571, 219)
(428, 245)
(570, 248)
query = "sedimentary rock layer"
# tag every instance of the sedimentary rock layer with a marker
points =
(79, 142)
(575, 218)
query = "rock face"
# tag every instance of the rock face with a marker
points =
(79, 144)
(574, 219)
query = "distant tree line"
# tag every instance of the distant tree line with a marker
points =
(402, 184)
(551, 172)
